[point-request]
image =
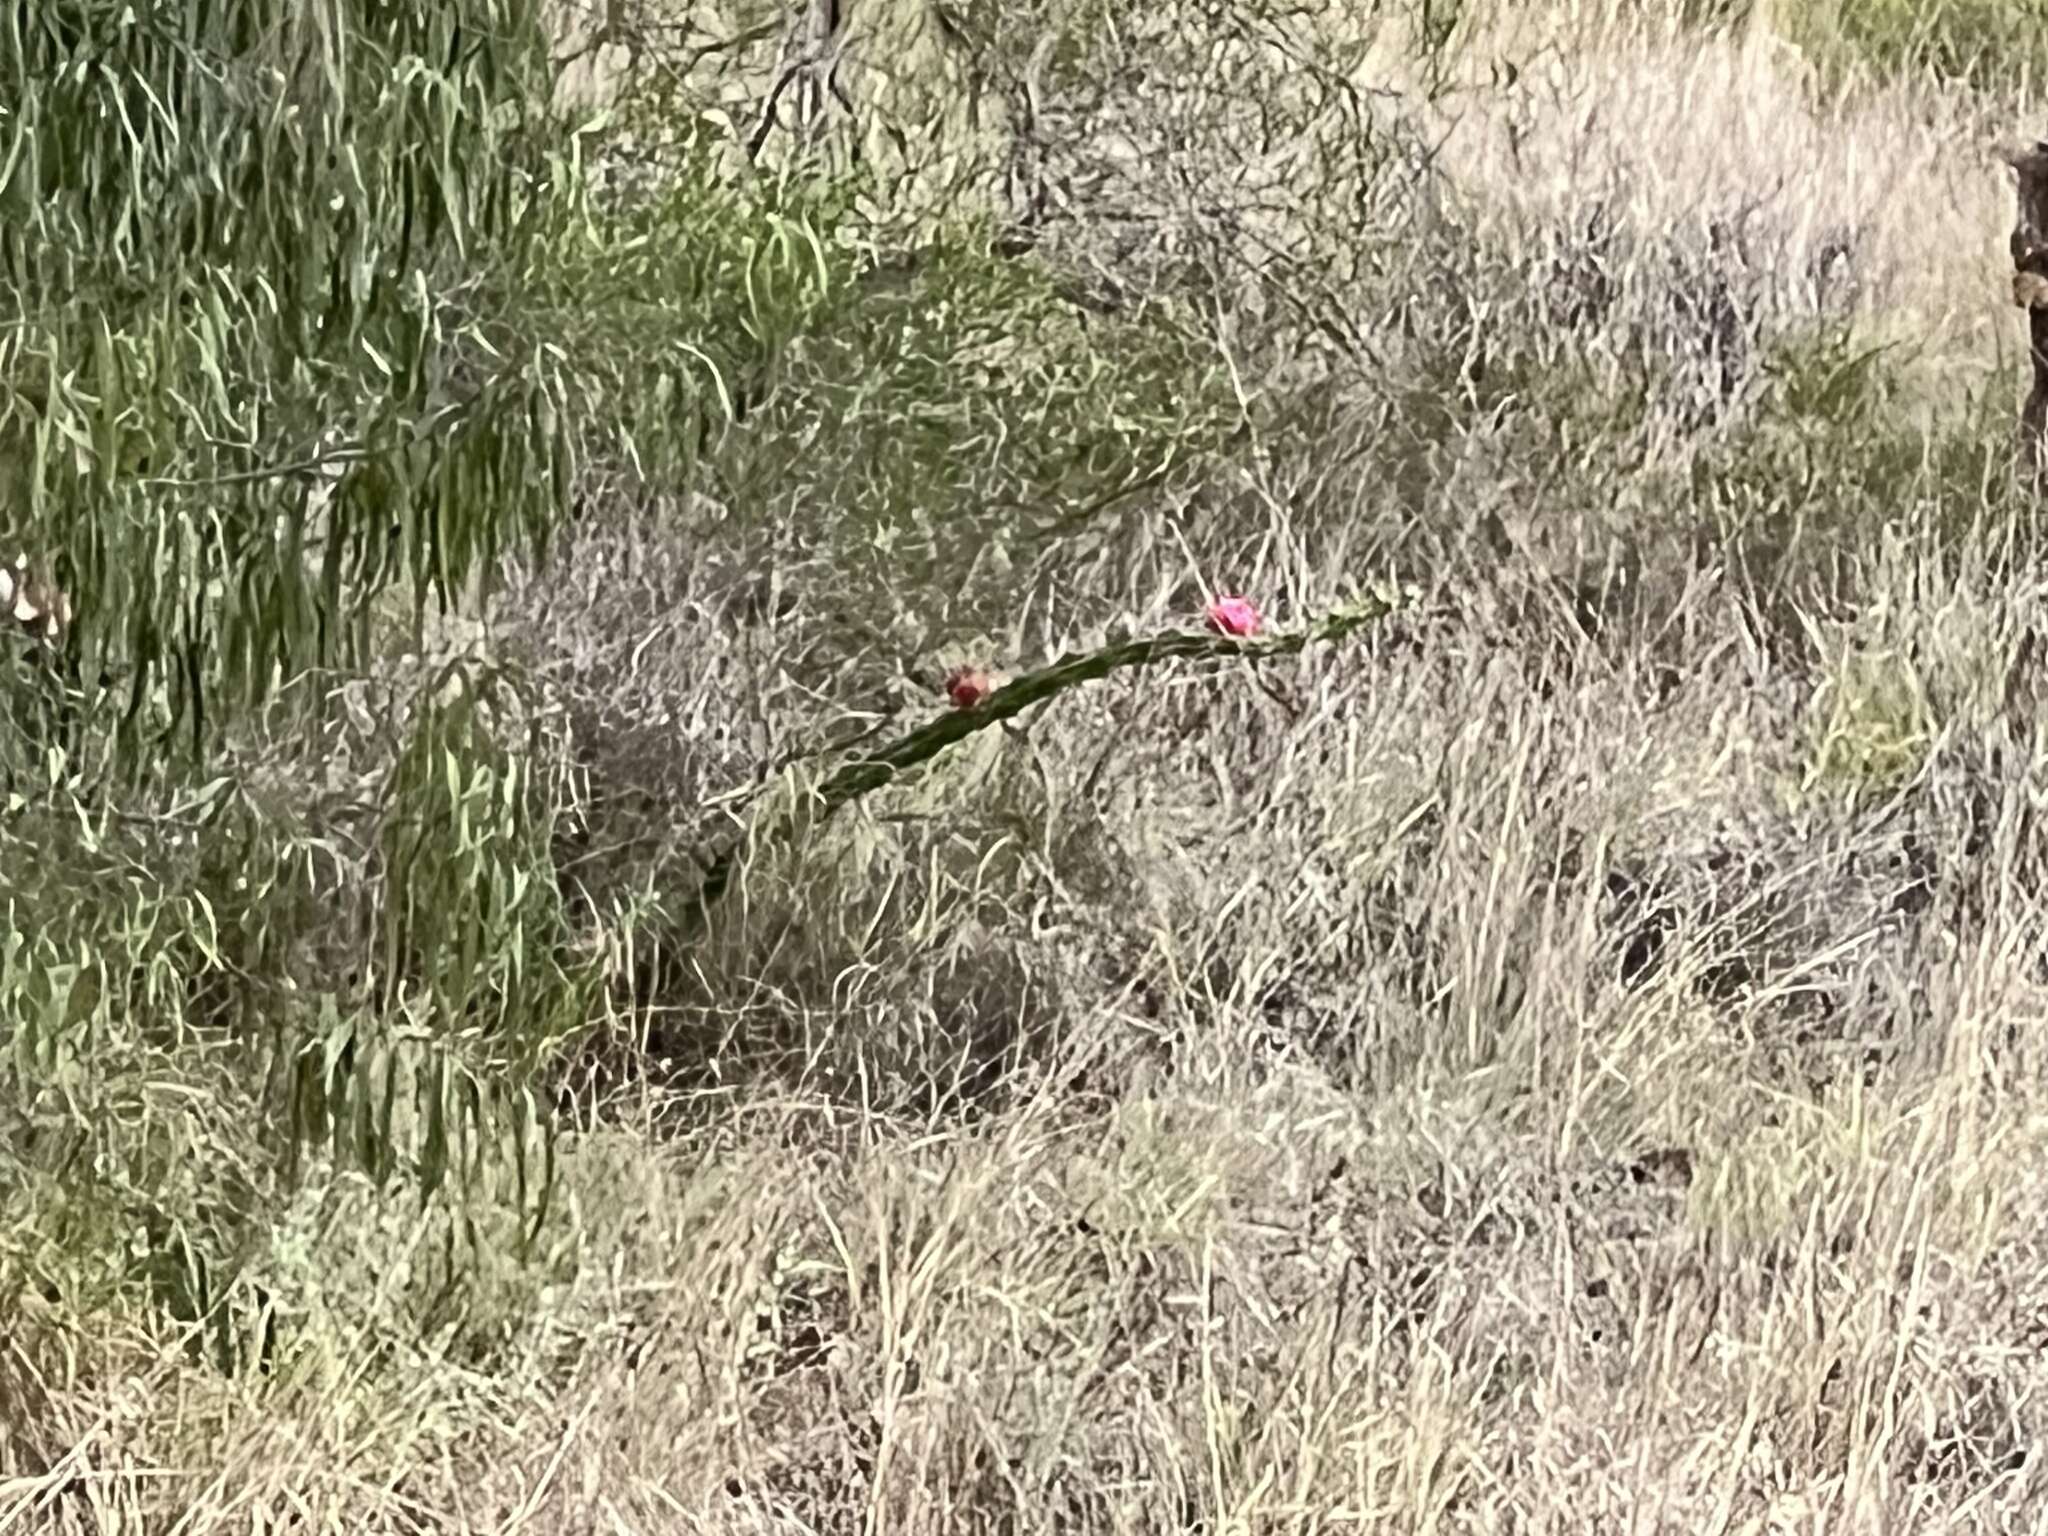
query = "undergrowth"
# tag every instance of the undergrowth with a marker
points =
(526, 1002)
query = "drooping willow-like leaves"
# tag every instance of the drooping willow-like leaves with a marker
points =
(254, 374)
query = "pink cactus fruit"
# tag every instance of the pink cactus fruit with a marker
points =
(968, 686)
(1235, 616)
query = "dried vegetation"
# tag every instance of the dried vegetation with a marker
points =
(1568, 1058)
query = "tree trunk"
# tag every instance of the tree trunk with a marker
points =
(2030, 292)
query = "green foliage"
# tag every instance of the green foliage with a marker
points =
(318, 309)
(206, 1000)
(1872, 726)
(470, 923)
(276, 347)
(672, 309)
(959, 414)
(251, 242)
(1828, 455)
(1991, 44)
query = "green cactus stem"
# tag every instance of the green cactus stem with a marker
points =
(857, 777)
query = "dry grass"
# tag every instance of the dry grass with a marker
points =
(1570, 1062)
(1654, 127)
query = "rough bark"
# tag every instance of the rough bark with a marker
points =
(2030, 292)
